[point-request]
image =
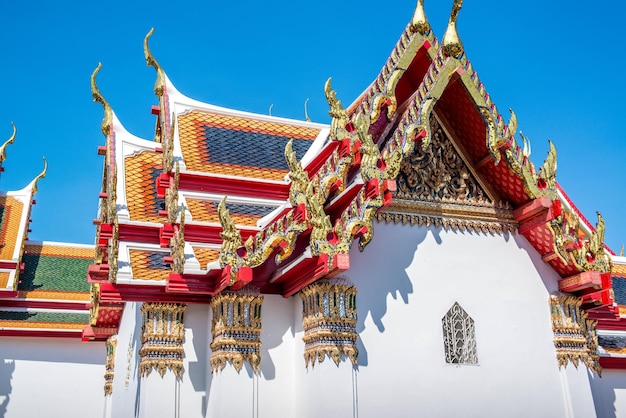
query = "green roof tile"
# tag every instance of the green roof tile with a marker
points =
(42, 272)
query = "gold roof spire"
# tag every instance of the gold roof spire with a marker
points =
(40, 175)
(3, 154)
(451, 42)
(419, 23)
(98, 97)
(151, 61)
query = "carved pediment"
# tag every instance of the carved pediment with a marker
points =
(437, 186)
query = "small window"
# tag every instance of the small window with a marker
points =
(459, 337)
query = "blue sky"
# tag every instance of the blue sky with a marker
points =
(555, 63)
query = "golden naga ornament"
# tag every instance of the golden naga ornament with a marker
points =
(337, 113)
(107, 120)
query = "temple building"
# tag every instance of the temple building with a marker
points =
(407, 259)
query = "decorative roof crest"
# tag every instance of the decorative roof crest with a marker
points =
(419, 23)
(451, 42)
(3, 154)
(40, 175)
(151, 61)
(98, 97)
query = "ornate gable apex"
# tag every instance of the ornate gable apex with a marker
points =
(436, 185)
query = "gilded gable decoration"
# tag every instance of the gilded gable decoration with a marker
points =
(329, 319)
(162, 336)
(575, 337)
(437, 187)
(111, 346)
(236, 329)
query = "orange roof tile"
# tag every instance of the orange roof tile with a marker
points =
(149, 265)
(238, 146)
(140, 172)
(205, 255)
(10, 215)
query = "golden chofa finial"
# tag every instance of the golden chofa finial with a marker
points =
(451, 42)
(3, 148)
(98, 97)
(40, 175)
(419, 23)
(151, 61)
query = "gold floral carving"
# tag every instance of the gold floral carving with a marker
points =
(168, 148)
(94, 303)
(329, 319)
(171, 198)
(236, 330)
(177, 245)
(111, 345)
(299, 178)
(575, 337)
(114, 252)
(162, 336)
(3, 148)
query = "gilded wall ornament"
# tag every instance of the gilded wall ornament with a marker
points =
(329, 317)
(162, 336)
(575, 337)
(236, 330)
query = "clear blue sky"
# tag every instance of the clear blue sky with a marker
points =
(556, 63)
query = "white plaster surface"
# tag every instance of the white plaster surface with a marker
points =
(50, 377)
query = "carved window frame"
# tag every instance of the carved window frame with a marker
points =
(459, 337)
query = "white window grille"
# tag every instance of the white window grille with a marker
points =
(459, 336)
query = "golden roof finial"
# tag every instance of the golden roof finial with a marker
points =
(3, 152)
(40, 175)
(306, 112)
(621, 253)
(98, 97)
(151, 61)
(271, 106)
(419, 23)
(451, 42)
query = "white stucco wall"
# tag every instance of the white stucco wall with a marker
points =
(403, 293)
(51, 377)
(610, 393)
(406, 289)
